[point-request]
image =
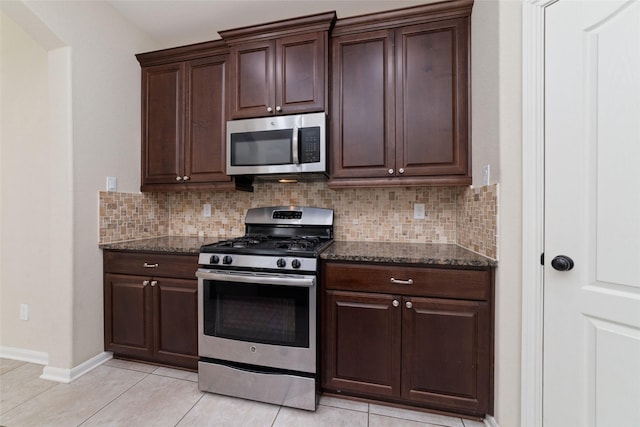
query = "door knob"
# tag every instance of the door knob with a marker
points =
(562, 263)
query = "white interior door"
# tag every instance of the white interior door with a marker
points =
(591, 359)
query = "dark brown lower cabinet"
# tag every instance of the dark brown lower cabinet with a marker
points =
(422, 351)
(362, 343)
(151, 318)
(445, 353)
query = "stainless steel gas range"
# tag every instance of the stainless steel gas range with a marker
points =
(257, 311)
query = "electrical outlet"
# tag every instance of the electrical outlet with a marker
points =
(418, 211)
(486, 170)
(112, 183)
(24, 311)
(206, 210)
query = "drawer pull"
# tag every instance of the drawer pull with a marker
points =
(147, 265)
(401, 282)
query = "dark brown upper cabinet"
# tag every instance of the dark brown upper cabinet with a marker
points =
(400, 94)
(184, 112)
(280, 67)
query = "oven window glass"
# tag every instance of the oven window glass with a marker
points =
(262, 148)
(267, 314)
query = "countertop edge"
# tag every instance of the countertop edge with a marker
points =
(429, 254)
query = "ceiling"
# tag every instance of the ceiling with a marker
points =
(179, 22)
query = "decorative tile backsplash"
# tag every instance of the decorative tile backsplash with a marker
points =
(125, 216)
(477, 220)
(453, 215)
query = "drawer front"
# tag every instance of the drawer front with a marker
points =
(151, 264)
(417, 281)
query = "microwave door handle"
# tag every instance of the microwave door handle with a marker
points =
(294, 146)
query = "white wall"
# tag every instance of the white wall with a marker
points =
(509, 282)
(26, 148)
(96, 132)
(496, 135)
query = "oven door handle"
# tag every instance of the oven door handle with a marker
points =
(303, 281)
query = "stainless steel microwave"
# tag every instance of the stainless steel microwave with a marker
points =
(279, 145)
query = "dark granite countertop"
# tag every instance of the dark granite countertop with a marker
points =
(383, 252)
(406, 253)
(174, 244)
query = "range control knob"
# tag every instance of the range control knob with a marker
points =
(227, 259)
(295, 263)
(214, 259)
(281, 262)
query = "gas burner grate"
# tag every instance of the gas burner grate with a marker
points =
(298, 243)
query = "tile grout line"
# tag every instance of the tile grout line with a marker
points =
(147, 374)
(31, 398)
(276, 417)
(190, 409)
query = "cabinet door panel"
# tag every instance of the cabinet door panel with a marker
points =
(252, 79)
(363, 105)
(300, 73)
(128, 322)
(362, 343)
(162, 114)
(445, 353)
(176, 321)
(205, 119)
(432, 98)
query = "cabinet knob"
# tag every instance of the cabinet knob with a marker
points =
(145, 283)
(409, 304)
(390, 171)
(185, 178)
(278, 108)
(395, 303)
(178, 178)
(147, 265)
(401, 170)
(155, 282)
(269, 109)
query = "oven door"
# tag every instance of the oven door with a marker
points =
(259, 319)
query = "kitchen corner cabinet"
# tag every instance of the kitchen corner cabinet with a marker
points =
(184, 113)
(279, 68)
(151, 307)
(400, 112)
(425, 340)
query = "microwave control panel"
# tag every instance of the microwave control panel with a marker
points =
(309, 143)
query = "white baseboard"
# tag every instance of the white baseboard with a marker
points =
(62, 375)
(489, 421)
(37, 357)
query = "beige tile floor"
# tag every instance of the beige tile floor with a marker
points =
(122, 393)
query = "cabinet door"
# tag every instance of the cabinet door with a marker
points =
(432, 109)
(446, 354)
(251, 81)
(361, 343)
(162, 123)
(127, 315)
(362, 110)
(206, 116)
(300, 73)
(175, 322)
